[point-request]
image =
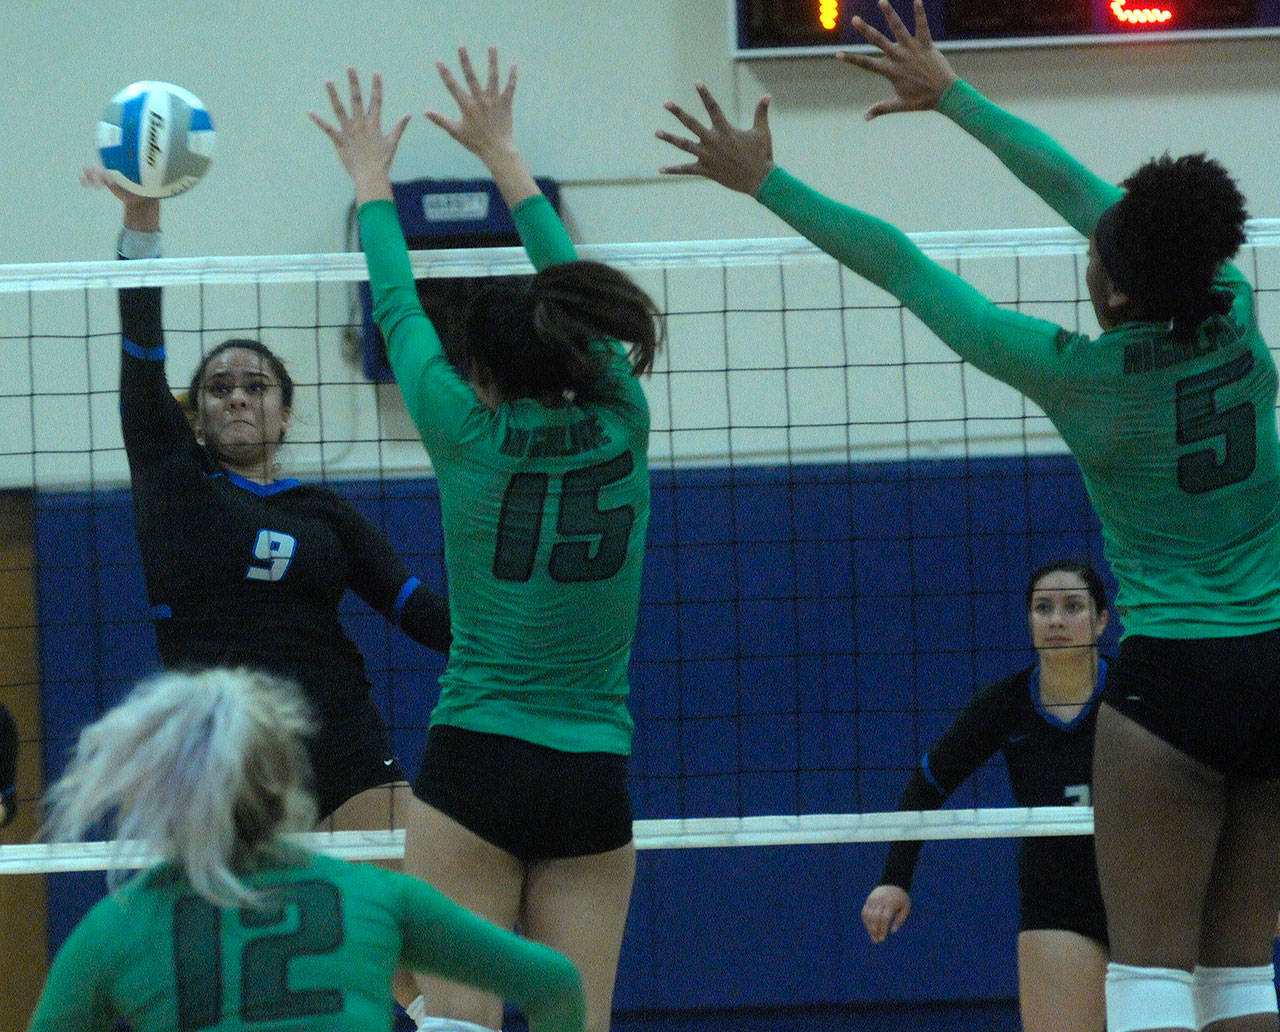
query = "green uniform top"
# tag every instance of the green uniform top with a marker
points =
(1177, 442)
(318, 958)
(545, 512)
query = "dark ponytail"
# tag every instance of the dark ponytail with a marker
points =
(545, 336)
(1190, 313)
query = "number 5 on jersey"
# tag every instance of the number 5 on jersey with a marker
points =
(273, 552)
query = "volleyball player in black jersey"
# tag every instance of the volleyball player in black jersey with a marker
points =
(245, 569)
(1042, 718)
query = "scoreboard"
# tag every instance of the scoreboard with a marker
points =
(781, 28)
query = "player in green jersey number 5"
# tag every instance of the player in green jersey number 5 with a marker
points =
(1170, 413)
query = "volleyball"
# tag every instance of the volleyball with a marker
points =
(155, 139)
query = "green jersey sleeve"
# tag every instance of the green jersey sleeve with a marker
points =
(542, 233)
(444, 939)
(75, 996)
(1069, 188)
(1023, 351)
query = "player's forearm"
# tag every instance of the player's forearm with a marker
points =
(919, 793)
(425, 618)
(1017, 349)
(511, 175)
(411, 339)
(542, 233)
(1033, 156)
(885, 256)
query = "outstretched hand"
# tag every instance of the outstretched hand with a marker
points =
(737, 158)
(366, 152)
(915, 68)
(484, 122)
(484, 125)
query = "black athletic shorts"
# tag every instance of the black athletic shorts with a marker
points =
(1058, 887)
(1215, 699)
(350, 753)
(533, 802)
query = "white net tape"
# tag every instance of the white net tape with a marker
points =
(691, 833)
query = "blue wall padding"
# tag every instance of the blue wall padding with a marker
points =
(805, 631)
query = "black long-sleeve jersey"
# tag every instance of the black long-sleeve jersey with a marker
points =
(243, 573)
(8, 765)
(1049, 762)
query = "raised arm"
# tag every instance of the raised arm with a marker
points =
(485, 127)
(923, 80)
(152, 421)
(1015, 348)
(438, 400)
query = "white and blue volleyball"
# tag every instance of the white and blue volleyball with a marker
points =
(156, 139)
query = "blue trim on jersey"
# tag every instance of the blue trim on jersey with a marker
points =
(1033, 685)
(263, 490)
(924, 769)
(161, 612)
(155, 354)
(397, 607)
(124, 156)
(200, 120)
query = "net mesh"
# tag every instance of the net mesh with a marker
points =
(844, 515)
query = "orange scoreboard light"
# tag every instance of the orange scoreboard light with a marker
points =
(790, 28)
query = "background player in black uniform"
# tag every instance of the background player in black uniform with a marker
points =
(1042, 718)
(8, 766)
(243, 568)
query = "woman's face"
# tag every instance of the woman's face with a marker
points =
(240, 412)
(1062, 614)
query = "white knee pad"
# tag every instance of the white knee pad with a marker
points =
(1232, 992)
(450, 1025)
(1147, 997)
(417, 1010)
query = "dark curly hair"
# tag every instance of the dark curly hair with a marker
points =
(1179, 220)
(543, 337)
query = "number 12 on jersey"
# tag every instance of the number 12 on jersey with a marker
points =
(303, 919)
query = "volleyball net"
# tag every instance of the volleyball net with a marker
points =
(844, 517)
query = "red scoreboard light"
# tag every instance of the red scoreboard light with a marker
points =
(1140, 15)
(792, 28)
